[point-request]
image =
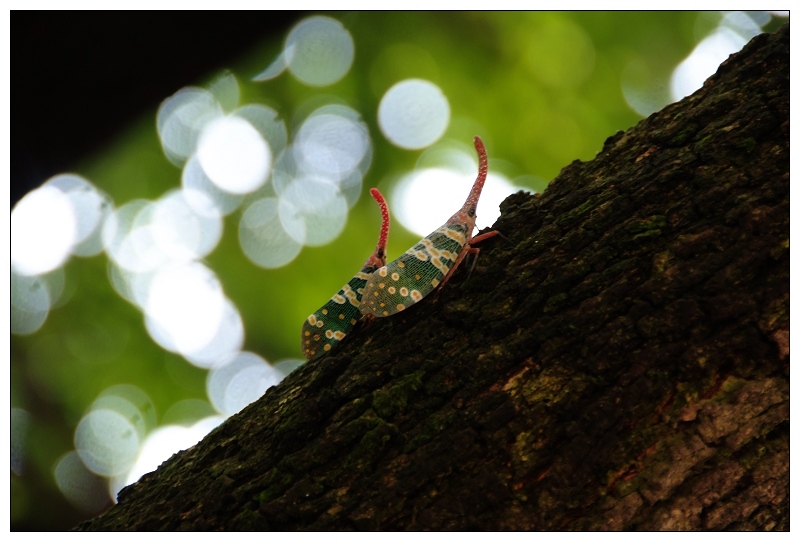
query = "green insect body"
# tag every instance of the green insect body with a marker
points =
(324, 329)
(432, 261)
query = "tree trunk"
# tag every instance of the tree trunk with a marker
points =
(620, 362)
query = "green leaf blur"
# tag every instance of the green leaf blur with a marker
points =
(542, 89)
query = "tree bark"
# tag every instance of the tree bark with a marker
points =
(620, 362)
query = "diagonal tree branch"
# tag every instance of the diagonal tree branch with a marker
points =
(621, 363)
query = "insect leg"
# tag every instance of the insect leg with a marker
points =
(486, 235)
(469, 249)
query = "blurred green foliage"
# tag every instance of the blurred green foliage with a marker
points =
(542, 89)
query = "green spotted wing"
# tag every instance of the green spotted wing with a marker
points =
(406, 280)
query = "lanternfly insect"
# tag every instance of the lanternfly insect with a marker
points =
(325, 328)
(431, 262)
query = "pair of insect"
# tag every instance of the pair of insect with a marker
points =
(382, 289)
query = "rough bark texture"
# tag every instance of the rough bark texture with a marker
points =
(621, 363)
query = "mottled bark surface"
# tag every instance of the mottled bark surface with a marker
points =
(620, 363)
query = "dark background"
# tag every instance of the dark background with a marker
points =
(77, 78)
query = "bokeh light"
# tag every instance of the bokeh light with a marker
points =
(233, 155)
(316, 179)
(90, 207)
(241, 381)
(423, 200)
(43, 231)
(178, 231)
(312, 211)
(332, 142)
(703, 61)
(132, 403)
(262, 236)
(267, 122)
(227, 340)
(107, 442)
(142, 236)
(413, 114)
(203, 196)
(83, 489)
(117, 239)
(647, 90)
(185, 307)
(318, 52)
(30, 304)
(181, 118)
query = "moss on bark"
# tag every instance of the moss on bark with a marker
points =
(621, 363)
